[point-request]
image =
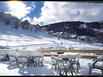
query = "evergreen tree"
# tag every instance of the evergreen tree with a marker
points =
(16, 24)
(25, 25)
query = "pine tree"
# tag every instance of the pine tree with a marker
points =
(16, 24)
(25, 25)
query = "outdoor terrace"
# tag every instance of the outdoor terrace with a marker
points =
(47, 70)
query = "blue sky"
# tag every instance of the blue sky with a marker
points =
(47, 12)
(36, 12)
(3, 6)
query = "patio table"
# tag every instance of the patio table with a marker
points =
(18, 56)
(30, 56)
(71, 58)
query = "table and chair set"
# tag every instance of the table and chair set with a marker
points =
(64, 64)
(69, 64)
(22, 58)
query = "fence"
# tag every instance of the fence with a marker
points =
(91, 53)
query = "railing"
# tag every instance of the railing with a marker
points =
(77, 51)
(72, 51)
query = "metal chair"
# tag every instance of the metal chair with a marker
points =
(97, 64)
(2, 57)
(77, 63)
(71, 60)
(14, 59)
(23, 60)
(65, 67)
(31, 61)
(69, 66)
(38, 60)
(62, 67)
(54, 62)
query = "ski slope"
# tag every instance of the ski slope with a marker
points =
(31, 39)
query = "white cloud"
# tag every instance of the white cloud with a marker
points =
(27, 18)
(53, 12)
(35, 20)
(33, 4)
(19, 8)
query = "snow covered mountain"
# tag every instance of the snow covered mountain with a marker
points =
(15, 33)
(88, 32)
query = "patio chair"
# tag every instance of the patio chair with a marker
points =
(23, 60)
(38, 60)
(54, 62)
(64, 67)
(72, 60)
(7, 57)
(60, 65)
(69, 66)
(97, 64)
(31, 61)
(75, 61)
(14, 59)
(2, 57)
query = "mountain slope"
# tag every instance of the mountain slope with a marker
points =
(22, 34)
(30, 39)
(93, 31)
(13, 37)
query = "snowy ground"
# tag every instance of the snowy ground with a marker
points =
(46, 70)
(27, 39)
(33, 40)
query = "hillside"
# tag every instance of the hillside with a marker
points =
(16, 33)
(88, 32)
